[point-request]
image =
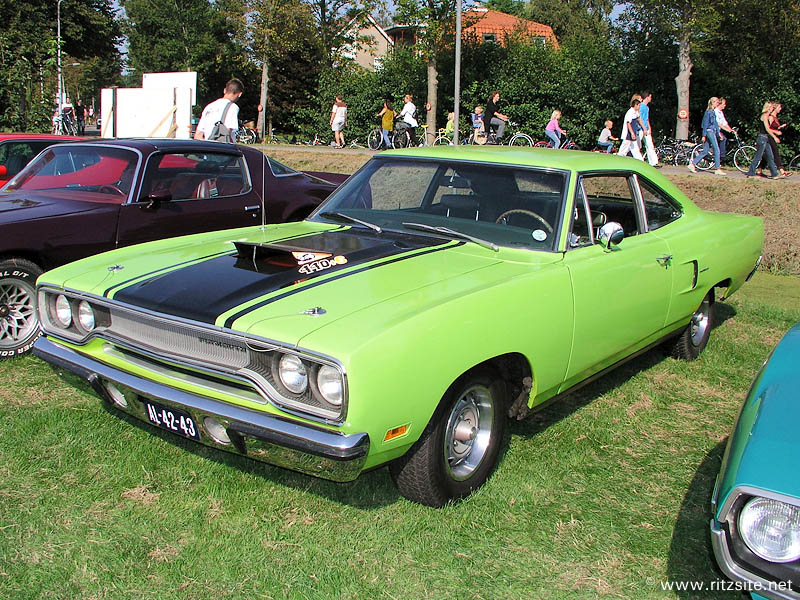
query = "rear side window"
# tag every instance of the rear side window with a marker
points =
(187, 176)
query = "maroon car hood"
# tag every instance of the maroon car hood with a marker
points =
(24, 206)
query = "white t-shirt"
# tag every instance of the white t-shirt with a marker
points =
(631, 115)
(721, 120)
(339, 113)
(212, 114)
(605, 135)
(408, 112)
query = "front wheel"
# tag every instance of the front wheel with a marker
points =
(374, 139)
(692, 340)
(401, 139)
(706, 162)
(743, 158)
(794, 164)
(521, 139)
(19, 323)
(460, 447)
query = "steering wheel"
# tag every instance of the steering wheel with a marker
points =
(110, 189)
(524, 211)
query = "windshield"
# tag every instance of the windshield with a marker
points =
(65, 168)
(496, 204)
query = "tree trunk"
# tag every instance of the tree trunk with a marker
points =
(433, 92)
(682, 86)
(263, 98)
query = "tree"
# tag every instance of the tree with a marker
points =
(338, 22)
(689, 24)
(572, 18)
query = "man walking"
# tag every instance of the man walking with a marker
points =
(646, 134)
(223, 111)
(628, 134)
(723, 126)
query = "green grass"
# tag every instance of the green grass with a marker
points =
(604, 494)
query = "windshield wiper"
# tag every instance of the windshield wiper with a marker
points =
(453, 233)
(353, 219)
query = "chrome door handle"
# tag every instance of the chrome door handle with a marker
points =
(253, 208)
(664, 260)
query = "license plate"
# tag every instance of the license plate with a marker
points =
(171, 419)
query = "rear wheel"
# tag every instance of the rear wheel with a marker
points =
(521, 139)
(706, 162)
(460, 446)
(401, 139)
(794, 164)
(743, 158)
(19, 323)
(692, 340)
(374, 139)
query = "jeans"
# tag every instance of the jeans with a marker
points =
(723, 147)
(711, 142)
(554, 138)
(387, 139)
(500, 126)
(607, 146)
(762, 147)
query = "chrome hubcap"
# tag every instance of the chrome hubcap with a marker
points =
(468, 432)
(700, 323)
(17, 313)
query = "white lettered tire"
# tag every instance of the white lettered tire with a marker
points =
(19, 323)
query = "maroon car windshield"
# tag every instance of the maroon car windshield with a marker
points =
(97, 169)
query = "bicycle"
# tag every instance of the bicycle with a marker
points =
(518, 138)
(63, 126)
(246, 135)
(794, 164)
(375, 138)
(566, 144)
(742, 155)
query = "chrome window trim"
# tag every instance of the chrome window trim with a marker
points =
(271, 395)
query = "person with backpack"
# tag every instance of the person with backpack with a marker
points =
(220, 119)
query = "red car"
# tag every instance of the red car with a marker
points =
(82, 198)
(18, 149)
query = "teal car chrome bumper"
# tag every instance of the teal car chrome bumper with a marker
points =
(263, 437)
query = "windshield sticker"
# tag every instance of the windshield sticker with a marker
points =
(539, 235)
(322, 264)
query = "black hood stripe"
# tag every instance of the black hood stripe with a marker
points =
(195, 260)
(230, 320)
(202, 291)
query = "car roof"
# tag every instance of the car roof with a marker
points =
(36, 136)
(569, 160)
(164, 144)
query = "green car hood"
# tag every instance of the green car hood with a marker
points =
(285, 282)
(762, 450)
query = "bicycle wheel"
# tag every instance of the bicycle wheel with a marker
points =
(374, 139)
(442, 140)
(245, 136)
(743, 158)
(543, 144)
(794, 164)
(706, 163)
(401, 139)
(521, 139)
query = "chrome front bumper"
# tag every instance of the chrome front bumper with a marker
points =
(755, 583)
(263, 437)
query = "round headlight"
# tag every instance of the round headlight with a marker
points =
(329, 383)
(86, 315)
(293, 374)
(63, 311)
(771, 529)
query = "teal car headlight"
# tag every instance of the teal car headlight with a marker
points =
(771, 529)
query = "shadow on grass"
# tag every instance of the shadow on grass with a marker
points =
(691, 558)
(371, 490)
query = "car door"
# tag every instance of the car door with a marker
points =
(189, 192)
(622, 295)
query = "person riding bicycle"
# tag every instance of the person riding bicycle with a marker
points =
(607, 139)
(408, 115)
(553, 131)
(494, 119)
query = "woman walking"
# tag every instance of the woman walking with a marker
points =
(762, 144)
(338, 121)
(711, 136)
(387, 123)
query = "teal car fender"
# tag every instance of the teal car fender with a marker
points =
(760, 461)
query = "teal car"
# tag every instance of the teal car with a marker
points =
(755, 529)
(436, 294)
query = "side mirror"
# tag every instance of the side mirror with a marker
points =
(610, 235)
(154, 200)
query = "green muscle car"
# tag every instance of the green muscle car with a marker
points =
(437, 293)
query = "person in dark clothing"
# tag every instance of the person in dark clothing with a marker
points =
(493, 118)
(80, 117)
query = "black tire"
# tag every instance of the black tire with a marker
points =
(521, 139)
(374, 139)
(19, 322)
(460, 447)
(743, 158)
(401, 138)
(693, 339)
(706, 163)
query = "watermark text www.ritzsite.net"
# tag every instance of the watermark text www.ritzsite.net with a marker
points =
(726, 585)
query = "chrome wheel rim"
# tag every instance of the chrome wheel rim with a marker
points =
(700, 323)
(469, 432)
(17, 313)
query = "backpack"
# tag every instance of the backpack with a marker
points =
(220, 132)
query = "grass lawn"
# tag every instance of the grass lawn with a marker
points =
(603, 494)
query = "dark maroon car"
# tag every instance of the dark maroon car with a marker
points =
(78, 199)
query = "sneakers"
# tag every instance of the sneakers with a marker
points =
(692, 168)
(720, 172)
